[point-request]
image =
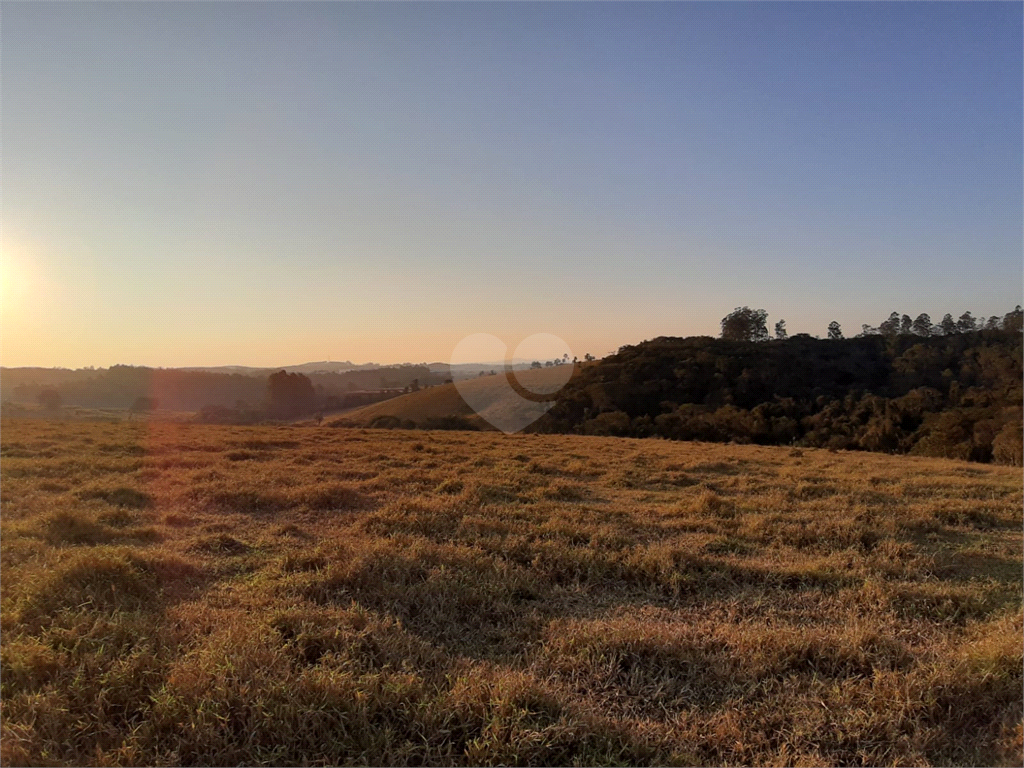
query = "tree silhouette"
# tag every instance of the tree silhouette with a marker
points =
(1014, 321)
(891, 327)
(290, 394)
(922, 325)
(834, 330)
(948, 325)
(745, 324)
(906, 325)
(966, 323)
(780, 330)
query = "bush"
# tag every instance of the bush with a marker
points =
(610, 423)
(1007, 447)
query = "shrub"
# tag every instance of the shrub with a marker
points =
(1008, 445)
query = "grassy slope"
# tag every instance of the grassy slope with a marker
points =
(445, 400)
(183, 594)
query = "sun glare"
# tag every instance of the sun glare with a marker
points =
(15, 277)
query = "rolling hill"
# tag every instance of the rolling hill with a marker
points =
(496, 401)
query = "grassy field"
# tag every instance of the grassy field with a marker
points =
(187, 594)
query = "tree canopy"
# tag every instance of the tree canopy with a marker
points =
(745, 324)
(290, 394)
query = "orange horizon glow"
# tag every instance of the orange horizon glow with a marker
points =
(212, 184)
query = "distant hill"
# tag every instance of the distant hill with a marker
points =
(466, 370)
(436, 371)
(324, 366)
(179, 389)
(446, 402)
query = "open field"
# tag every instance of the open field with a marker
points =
(188, 594)
(14, 412)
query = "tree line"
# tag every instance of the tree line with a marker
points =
(746, 324)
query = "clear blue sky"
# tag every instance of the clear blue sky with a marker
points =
(268, 183)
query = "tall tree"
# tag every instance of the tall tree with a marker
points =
(745, 324)
(922, 325)
(891, 327)
(906, 325)
(947, 325)
(290, 394)
(780, 330)
(834, 330)
(966, 323)
(1014, 321)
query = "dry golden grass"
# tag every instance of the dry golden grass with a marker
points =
(185, 594)
(492, 395)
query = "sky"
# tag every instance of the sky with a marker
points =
(265, 184)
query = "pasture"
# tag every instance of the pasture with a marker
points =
(176, 593)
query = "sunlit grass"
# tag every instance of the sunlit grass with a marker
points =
(187, 594)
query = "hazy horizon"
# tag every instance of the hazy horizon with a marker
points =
(194, 185)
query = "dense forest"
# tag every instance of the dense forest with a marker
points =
(954, 392)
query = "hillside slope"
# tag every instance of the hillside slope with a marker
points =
(956, 396)
(492, 394)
